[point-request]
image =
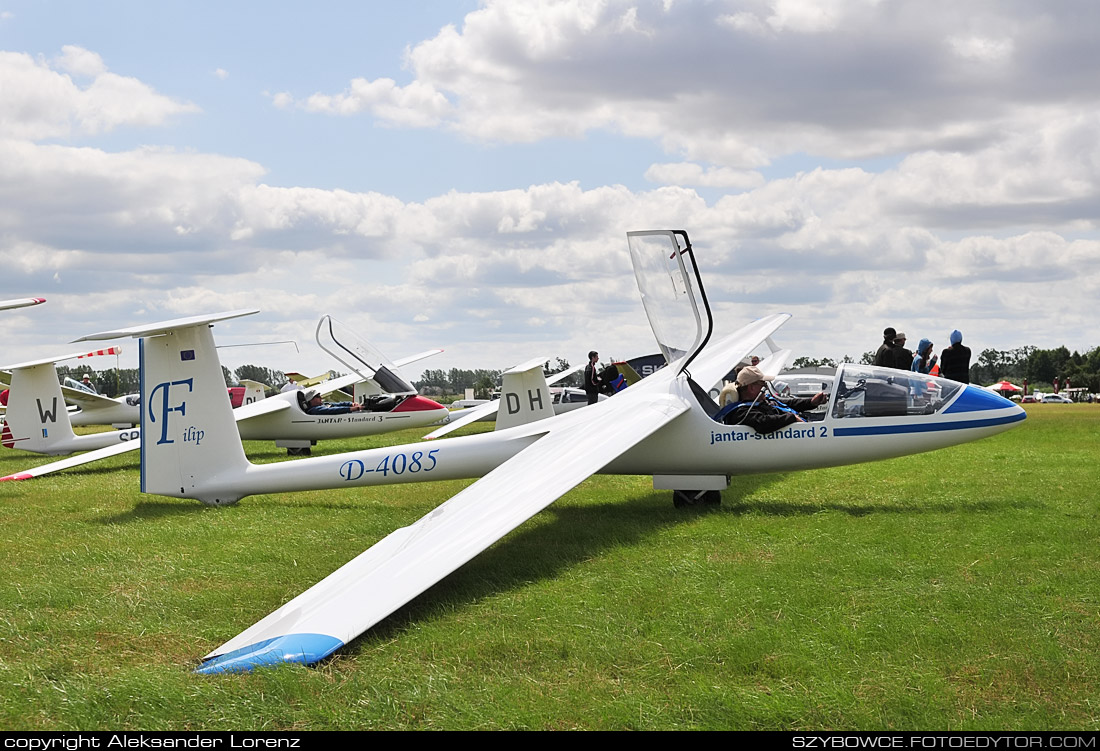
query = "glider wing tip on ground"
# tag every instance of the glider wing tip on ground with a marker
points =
(304, 649)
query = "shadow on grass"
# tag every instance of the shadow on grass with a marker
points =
(150, 510)
(734, 502)
(576, 533)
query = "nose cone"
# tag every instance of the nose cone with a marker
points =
(987, 408)
(419, 404)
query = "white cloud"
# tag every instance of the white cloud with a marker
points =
(986, 220)
(40, 102)
(687, 173)
(981, 49)
(80, 62)
(415, 105)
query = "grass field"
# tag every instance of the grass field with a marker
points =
(953, 590)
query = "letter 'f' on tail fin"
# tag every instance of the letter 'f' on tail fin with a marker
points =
(189, 439)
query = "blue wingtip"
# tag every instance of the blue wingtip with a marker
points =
(304, 649)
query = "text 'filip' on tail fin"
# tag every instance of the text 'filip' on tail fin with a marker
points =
(524, 396)
(187, 425)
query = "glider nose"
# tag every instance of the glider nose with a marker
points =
(997, 411)
(419, 404)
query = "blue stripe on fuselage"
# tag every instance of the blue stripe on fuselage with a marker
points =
(929, 427)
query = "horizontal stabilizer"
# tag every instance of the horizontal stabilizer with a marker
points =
(164, 327)
(75, 461)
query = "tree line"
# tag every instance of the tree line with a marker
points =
(456, 380)
(116, 382)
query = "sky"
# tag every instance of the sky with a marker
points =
(462, 175)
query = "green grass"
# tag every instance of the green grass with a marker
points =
(953, 590)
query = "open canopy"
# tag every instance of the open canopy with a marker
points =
(672, 292)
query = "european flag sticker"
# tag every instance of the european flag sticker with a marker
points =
(187, 354)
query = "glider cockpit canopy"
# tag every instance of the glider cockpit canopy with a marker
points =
(361, 356)
(672, 292)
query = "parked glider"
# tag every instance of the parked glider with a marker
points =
(37, 418)
(661, 426)
(281, 418)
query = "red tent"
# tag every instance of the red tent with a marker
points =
(1004, 386)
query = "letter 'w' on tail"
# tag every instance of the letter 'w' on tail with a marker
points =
(524, 396)
(37, 419)
(187, 425)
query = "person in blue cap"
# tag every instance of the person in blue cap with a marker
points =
(955, 360)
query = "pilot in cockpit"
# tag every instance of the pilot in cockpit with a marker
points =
(754, 407)
(311, 404)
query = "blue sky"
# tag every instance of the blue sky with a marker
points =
(462, 174)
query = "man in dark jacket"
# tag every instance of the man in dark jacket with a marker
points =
(955, 360)
(592, 381)
(903, 357)
(760, 410)
(885, 354)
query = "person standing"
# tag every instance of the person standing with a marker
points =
(592, 381)
(886, 350)
(903, 356)
(924, 360)
(955, 360)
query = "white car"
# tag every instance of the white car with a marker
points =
(1054, 399)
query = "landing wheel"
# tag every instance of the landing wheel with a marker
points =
(682, 498)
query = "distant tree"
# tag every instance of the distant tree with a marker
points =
(274, 379)
(436, 380)
(563, 365)
(809, 362)
(112, 383)
(484, 385)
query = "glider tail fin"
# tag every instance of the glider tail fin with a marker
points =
(524, 396)
(190, 447)
(37, 418)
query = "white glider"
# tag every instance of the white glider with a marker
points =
(662, 426)
(41, 424)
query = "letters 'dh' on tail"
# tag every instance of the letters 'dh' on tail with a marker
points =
(524, 396)
(187, 426)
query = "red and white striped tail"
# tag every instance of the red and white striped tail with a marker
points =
(108, 351)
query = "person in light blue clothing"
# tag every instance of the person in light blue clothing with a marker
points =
(924, 361)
